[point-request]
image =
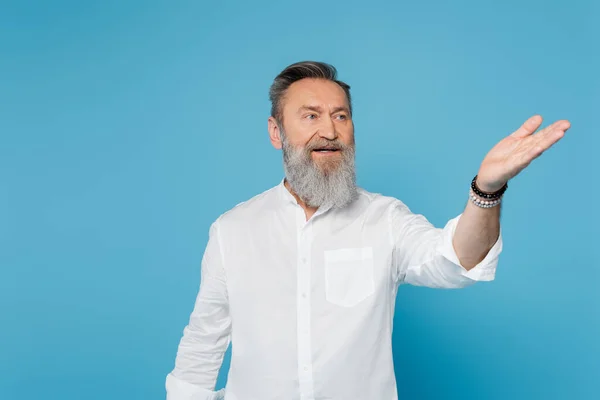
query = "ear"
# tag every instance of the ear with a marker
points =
(274, 135)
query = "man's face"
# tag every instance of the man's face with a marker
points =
(316, 118)
(317, 138)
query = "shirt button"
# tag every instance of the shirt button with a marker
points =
(304, 295)
(306, 368)
(304, 260)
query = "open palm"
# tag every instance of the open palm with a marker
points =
(516, 151)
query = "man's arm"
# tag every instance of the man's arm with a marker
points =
(477, 231)
(424, 255)
(478, 228)
(467, 249)
(206, 337)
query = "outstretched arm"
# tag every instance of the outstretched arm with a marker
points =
(478, 228)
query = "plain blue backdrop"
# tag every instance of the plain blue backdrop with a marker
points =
(127, 127)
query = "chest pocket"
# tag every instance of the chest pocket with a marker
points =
(349, 275)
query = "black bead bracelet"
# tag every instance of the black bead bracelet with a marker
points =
(490, 196)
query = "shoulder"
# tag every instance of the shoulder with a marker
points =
(378, 204)
(248, 210)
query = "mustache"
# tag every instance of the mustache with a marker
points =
(325, 145)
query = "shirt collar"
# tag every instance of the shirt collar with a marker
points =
(286, 197)
(284, 194)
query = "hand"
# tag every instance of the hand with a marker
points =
(513, 153)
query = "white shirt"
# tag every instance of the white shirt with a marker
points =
(308, 305)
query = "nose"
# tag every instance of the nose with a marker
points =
(327, 130)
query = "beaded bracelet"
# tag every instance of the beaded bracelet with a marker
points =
(483, 203)
(489, 196)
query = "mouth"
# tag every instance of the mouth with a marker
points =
(325, 151)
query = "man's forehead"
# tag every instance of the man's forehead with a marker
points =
(316, 93)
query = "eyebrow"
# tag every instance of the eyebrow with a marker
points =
(319, 109)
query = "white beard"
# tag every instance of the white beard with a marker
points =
(330, 184)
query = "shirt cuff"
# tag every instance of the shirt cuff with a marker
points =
(485, 270)
(181, 390)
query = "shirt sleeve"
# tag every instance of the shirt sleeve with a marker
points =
(423, 255)
(206, 337)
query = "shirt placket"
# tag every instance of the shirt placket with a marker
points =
(305, 370)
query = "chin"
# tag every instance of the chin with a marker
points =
(328, 166)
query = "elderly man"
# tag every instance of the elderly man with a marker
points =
(302, 278)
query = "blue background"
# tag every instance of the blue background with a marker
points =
(126, 128)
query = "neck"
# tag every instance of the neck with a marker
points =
(308, 211)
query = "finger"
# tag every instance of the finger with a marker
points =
(560, 124)
(528, 127)
(555, 132)
(546, 138)
(563, 124)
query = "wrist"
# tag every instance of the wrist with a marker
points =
(487, 187)
(486, 196)
(482, 202)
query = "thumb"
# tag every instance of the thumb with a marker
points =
(528, 127)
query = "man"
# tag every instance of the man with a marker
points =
(302, 278)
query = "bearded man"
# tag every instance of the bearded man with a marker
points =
(302, 278)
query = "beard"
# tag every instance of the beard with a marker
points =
(324, 183)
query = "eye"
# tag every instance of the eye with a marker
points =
(311, 116)
(342, 117)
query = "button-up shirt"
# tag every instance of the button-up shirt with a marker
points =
(308, 306)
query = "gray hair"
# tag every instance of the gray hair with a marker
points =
(295, 72)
